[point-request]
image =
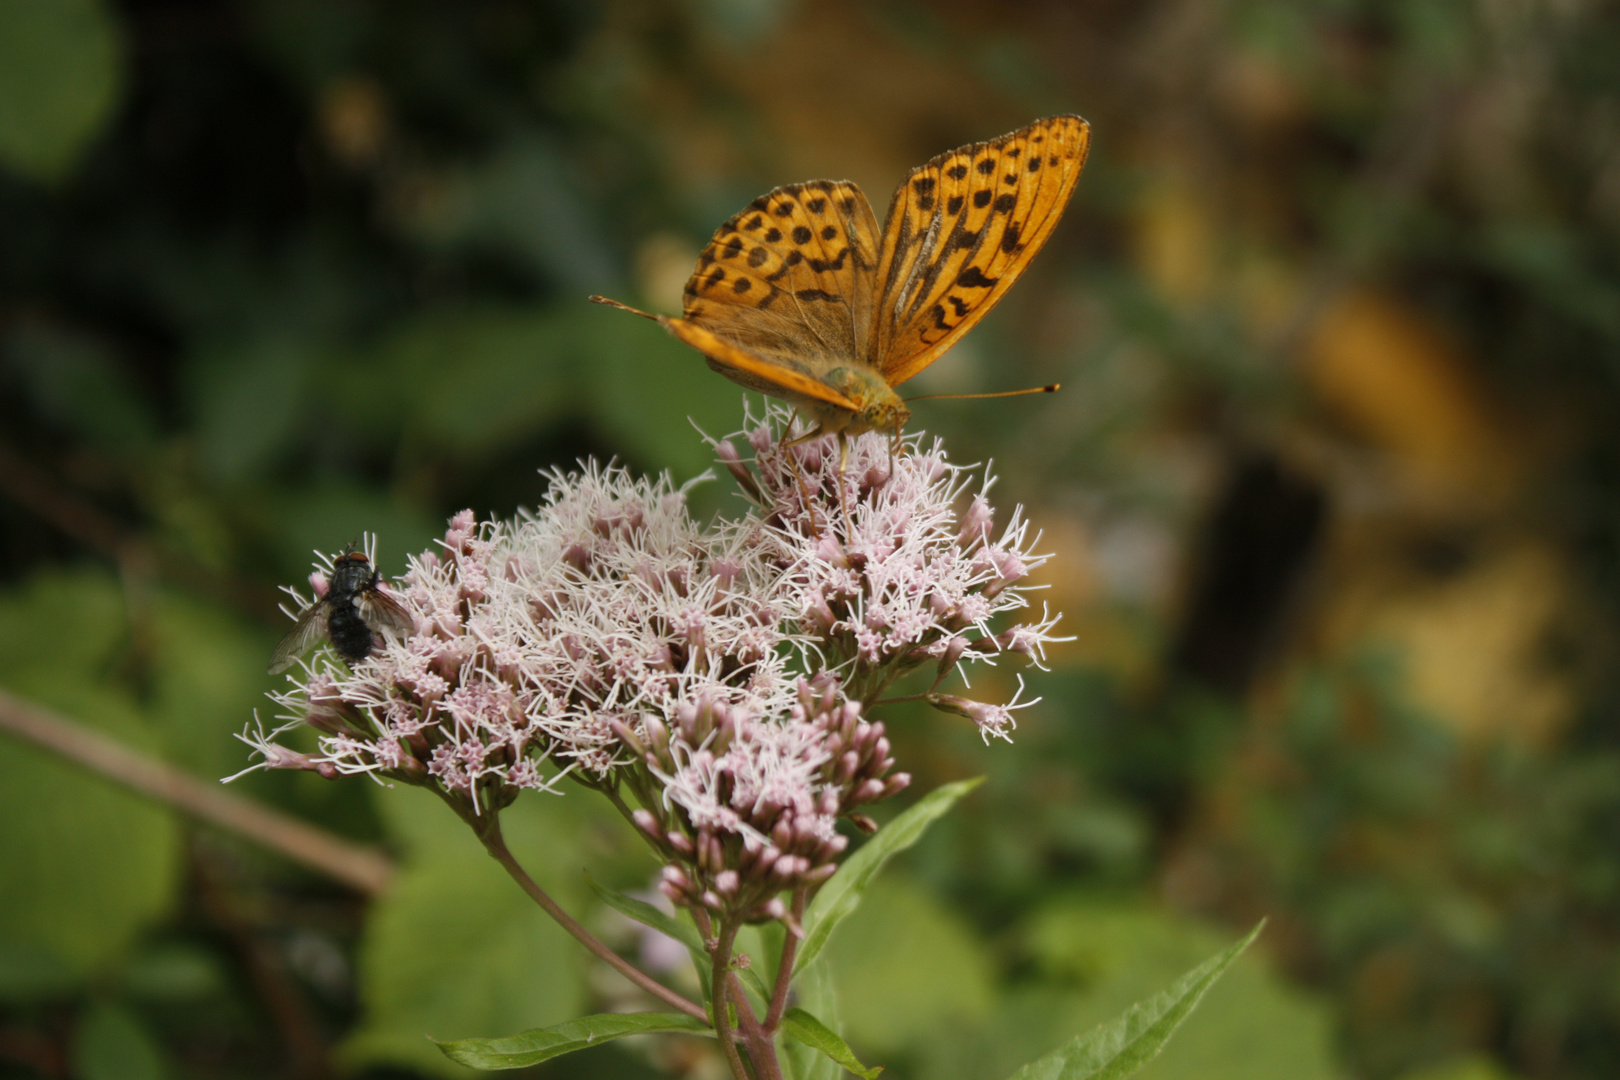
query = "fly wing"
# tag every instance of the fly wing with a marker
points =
(384, 614)
(306, 633)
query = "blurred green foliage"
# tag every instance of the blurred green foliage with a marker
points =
(1333, 485)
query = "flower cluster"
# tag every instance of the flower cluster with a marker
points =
(753, 805)
(884, 570)
(719, 674)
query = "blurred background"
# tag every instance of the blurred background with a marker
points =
(1333, 489)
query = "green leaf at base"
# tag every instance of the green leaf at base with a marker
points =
(543, 1044)
(1120, 1047)
(649, 916)
(818, 1036)
(644, 913)
(842, 893)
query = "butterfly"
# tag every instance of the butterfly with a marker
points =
(351, 614)
(800, 296)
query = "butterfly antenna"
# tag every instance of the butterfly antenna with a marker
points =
(1049, 389)
(622, 307)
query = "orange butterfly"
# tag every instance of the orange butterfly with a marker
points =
(797, 297)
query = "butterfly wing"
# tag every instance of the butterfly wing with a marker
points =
(784, 290)
(959, 232)
(305, 634)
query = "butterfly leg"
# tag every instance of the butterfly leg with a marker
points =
(798, 474)
(843, 472)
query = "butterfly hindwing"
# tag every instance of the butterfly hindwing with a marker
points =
(959, 232)
(787, 282)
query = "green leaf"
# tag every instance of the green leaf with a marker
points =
(59, 78)
(455, 947)
(814, 987)
(88, 865)
(907, 968)
(813, 1033)
(1119, 1048)
(644, 913)
(543, 1044)
(111, 1044)
(842, 894)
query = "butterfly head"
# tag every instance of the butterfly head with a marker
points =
(880, 407)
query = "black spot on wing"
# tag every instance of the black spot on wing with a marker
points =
(956, 172)
(1005, 202)
(814, 294)
(954, 205)
(963, 238)
(973, 278)
(981, 199)
(829, 232)
(758, 256)
(733, 248)
(774, 235)
(801, 235)
(1009, 239)
(816, 206)
(987, 166)
(742, 285)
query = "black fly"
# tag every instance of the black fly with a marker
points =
(351, 614)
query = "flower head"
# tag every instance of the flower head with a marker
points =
(721, 674)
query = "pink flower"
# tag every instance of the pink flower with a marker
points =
(726, 672)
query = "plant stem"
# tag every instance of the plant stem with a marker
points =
(761, 1050)
(720, 994)
(784, 970)
(361, 868)
(489, 831)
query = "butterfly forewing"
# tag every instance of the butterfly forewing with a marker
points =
(789, 283)
(959, 232)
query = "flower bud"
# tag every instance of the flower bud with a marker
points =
(657, 734)
(647, 823)
(626, 736)
(976, 522)
(820, 874)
